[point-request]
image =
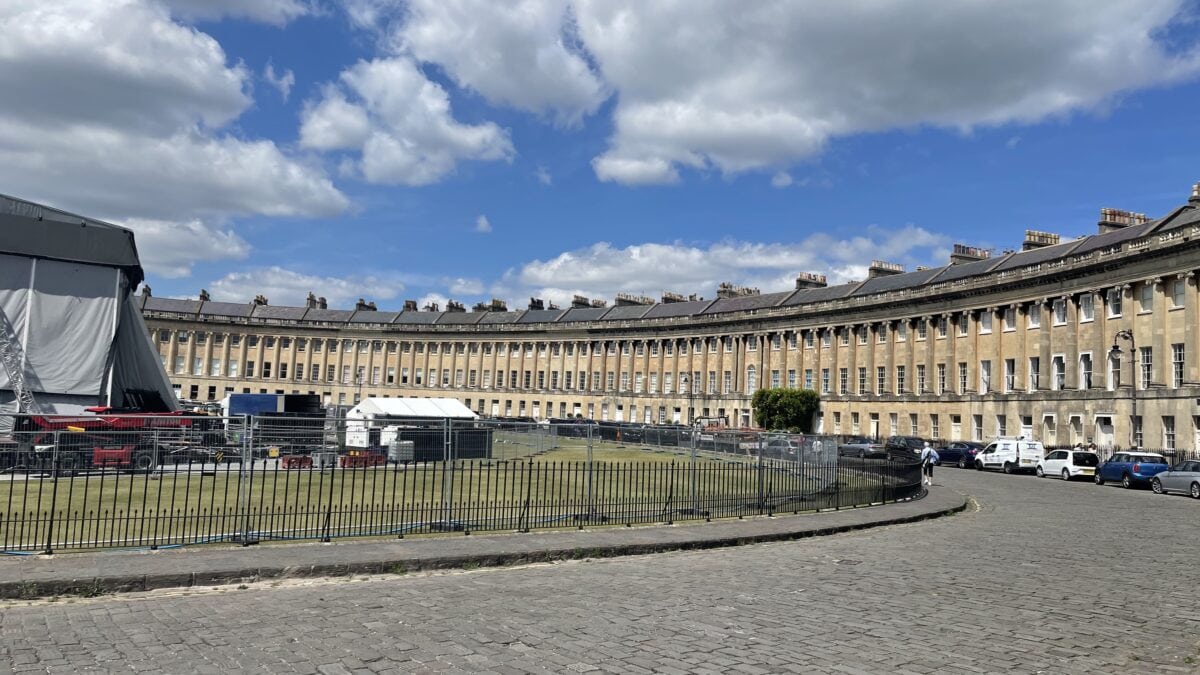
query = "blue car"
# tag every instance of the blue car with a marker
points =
(1131, 468)
(959, 453)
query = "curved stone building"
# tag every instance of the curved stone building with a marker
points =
(987, 345)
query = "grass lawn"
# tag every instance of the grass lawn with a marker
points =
(539, 488)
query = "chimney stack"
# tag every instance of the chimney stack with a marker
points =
(669, 297)
(965, 254)
(880, 268)
(1035, 239)
(432, 307)
(728, 290)
(626, 299)
(456, 307)
(311, 301)
(260, 300)
(322, 303)
(204, 297)
(580, 301)
(146, 290)
(1195, 199)
(597, 303)
(364, 306)
(536, 303)
(1112, 220)
(410, 305)
(810, 280)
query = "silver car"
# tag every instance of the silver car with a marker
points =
(1183, 477)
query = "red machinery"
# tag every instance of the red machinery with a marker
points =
(103, 440)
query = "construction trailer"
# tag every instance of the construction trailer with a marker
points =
(71, 334)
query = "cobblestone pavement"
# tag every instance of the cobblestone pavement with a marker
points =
(1041, 577)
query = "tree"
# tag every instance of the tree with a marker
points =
(786, 409)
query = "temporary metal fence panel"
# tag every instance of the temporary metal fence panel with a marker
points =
(92, 482)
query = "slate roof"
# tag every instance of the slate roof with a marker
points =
(327, 315)
(969, 269)
(373, 316)
(583, 314)
(460, 318)
(673, 309)
(240, 309)
(1107, 239)
(1037, 255)
(1187, 215)
(418, 318)
(501, 317)
(172, 305)
(895, 282)
(541, 315)
(805, 295)
(747, 302)
(622, 312)
(282, 313)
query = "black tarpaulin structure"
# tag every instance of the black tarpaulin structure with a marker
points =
(66, 292)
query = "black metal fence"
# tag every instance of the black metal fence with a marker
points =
(167, 481)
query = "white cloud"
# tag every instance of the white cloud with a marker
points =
(289, 287)
(114, 110)
(708, 84)
(543, 175)
(781, 179)
(402, 123)
(483, 225)
(169, 249)
(523, 54)
(634, 171)
(282, 82)
(433, 298)
(602, 270)
(277, 12)
(463, 286)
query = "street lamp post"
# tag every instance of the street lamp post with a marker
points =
(1115, 353)
(686, 382)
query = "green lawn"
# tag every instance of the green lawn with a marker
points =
(540, 488)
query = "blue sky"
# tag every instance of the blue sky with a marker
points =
(608, 146)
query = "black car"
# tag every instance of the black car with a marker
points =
(904, 447)
(959, 453)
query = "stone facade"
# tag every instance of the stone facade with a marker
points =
(1019, 343)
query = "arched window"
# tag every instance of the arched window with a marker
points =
(751, 379)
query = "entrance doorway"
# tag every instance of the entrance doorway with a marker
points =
(1105, 435)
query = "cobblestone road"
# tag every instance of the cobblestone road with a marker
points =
(1042, 577)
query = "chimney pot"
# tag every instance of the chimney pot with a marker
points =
(1195, 199)
(1035, 239)
(811, 280)
(880, 268)
(410, 305)
(965, 254)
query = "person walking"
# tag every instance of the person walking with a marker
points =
(929, 457)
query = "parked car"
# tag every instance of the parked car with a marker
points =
(905, 447)
(1183, 477)
(862, 448)
(959, 453)
(1010, 455)
(1131, 468)
(782, 447)
(1068, 464)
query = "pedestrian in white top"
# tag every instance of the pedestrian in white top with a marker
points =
(929, 457)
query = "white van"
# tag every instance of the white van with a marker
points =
(1010, 455)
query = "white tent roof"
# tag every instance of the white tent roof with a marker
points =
(423, 408)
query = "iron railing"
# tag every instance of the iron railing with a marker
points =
(167, 481)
